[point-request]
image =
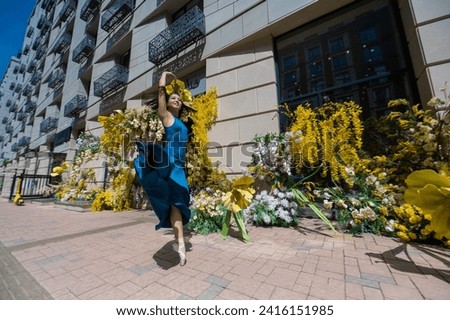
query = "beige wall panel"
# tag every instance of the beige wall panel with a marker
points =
(435, 41)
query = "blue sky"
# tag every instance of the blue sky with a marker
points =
(14, 16)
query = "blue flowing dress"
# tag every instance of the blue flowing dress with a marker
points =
(160, 170)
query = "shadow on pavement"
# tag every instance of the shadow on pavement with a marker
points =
(390, 257)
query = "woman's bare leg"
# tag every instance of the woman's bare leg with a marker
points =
(177, 225)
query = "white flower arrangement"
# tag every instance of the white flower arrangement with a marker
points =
(277, 208)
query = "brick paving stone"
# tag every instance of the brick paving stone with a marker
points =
(432, 288)
(281, 277)
(354, 291)
(395, 292)
(244, 285)
(285, 294)
(264, 292)
(372, 293)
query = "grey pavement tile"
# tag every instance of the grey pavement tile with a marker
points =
(210, 293)
(219, 281)
(364, 282)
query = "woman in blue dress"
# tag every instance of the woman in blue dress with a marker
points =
(160, 168)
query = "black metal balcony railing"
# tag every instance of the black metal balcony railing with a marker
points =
(14, 108)
(62, 44)
(27, 89)
(30, 31)
(67, 10)
(18, 88)
(15, 147)
(9, 129)
(90, 9)
(57, 78)
(185, 31)
(9, 103)
(48, 125)
(75, 105)
(46, 26)
(84, 49)
(114, 78)
(115, 13)
(24, 141)
(12, 85)
(26, 49)
(21, 115)
(36, 77)
(48, 4)
(5, 120)
(40, 52)
(22, 68)
(41, 21)
(30, 106)
(63, 136)
(32, 66)
(16, 69)
(36, 43)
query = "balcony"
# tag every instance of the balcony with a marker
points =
(75, 105)
(116, 13)
(41, 21)
(5, 120)
(12, 86)
(22, 68)
(67, 10)
(24, 141)
(184, 32)
(84, 49)
(114, 78)
(26, 49)
(62, 44)
(27, 89)
(48, 125)
(18, 88)
(40, 52)
(9, 129)
(57, 78)
(16, 69)
(48, 4)
(15, 147)
(36, 43)
(14, 108)
(90, 9)
(63, 136)
(36, 77)
(21, 115)
(30, 106)
(46, 26)
(30, 31)
(32, 66)
(9, 103)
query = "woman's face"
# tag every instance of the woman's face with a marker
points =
(174, 102)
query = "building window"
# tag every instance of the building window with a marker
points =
(314, 53)
(355, 52)
(289, 62)
(290, 78)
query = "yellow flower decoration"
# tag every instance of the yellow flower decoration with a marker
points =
(59, 169)
(431, 192)
(177, 86)
(241, 194)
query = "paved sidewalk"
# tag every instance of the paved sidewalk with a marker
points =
(53, 253)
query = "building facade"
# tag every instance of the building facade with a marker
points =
(85, 58)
